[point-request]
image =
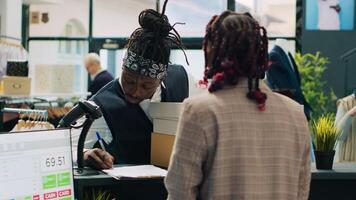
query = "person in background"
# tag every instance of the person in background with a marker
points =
(346, 122)
(99, 77)
(239, 140)
(146, 77)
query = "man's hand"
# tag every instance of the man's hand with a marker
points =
(98, 159)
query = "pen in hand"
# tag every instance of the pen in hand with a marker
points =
(100, 140)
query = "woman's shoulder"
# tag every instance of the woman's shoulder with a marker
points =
(200, 102)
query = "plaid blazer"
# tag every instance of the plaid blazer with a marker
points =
(226, 148)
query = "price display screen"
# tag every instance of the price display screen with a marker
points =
(36, 166)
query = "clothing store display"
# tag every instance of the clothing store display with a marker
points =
(17, 68)
(283, 75)
(346, 150)
(130, 127)
(329, 18)
(32, 125)
(33, 120)
(10, 51)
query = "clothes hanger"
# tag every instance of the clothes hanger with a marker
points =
(21, 123)
(28, 121)
(42, 121)
(36, 123)
(48, 125)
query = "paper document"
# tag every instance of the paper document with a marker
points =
(140, 171)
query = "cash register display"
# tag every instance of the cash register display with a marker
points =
(36, 165)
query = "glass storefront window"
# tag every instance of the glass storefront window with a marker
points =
(194, 13)
(118, 18)
(49, 53)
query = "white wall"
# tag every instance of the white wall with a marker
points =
(2, 16)
(112, 18)
(118, 17)
(59, 15)
(11, 18)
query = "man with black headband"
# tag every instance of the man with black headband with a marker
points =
(146, 76)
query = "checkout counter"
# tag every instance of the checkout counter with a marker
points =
(337, 184)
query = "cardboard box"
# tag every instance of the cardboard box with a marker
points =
(165, 110)
(161, 149)
(167, 126)
(15, 85)
(165, 121)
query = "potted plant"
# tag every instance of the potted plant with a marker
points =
(325, 135)
(97, 194)
(312, 68)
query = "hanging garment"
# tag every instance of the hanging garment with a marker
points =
(281, 77)
(347, 124)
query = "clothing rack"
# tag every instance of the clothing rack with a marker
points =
(25, 111)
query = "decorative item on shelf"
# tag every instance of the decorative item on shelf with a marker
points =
(45, 17)
(13, 85)
(35, 17)
(17, 68)
(325, 135)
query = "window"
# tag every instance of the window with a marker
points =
(112, 61)
(196, 62)
(194, 13)
(52, 56)
(118, 18)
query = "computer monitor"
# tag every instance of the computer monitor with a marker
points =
(36, 165)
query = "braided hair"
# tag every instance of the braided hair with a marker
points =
(240, 49)
(155, 36)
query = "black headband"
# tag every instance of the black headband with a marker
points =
(143, 66)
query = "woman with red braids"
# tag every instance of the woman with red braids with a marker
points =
(239, 140)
